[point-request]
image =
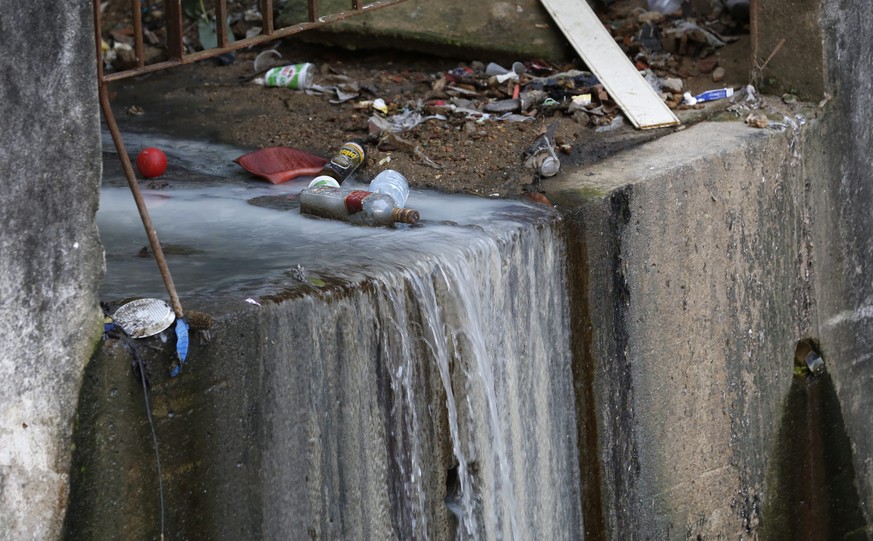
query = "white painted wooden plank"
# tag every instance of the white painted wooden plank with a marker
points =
(639, 101)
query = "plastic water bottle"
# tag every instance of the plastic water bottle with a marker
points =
(391, 182)
(357, 206)
(665, 6)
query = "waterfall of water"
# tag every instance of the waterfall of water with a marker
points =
(495, 323)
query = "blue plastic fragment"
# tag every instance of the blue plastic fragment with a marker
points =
(181, 345)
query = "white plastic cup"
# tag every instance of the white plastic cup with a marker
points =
(324, 180)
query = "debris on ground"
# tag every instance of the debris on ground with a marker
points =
(540, 156)
(595, 45)
(757, 120)
(447, 124)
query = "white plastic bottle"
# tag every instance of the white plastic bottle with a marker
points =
(392, 183)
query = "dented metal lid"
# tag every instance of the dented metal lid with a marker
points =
(144, 317)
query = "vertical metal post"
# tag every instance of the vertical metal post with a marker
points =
(267, 17)
(136, 7)
(175, 47)
(313, 11)
(221, 22)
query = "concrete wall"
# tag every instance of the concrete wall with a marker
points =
(704, 257)
(340, 413)
(50, 258)
(839, 172)
(696, 295)
(496, 29)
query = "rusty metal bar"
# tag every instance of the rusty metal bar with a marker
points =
(154, 243)
(243, 43)
(136, 7)
(221, 22)
(175, 46)
(357, 5)
(267, 17)
(313, 11)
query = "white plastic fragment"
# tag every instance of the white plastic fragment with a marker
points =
(264, 56)
(380, 105)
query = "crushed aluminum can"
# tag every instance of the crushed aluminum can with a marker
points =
(815, 363)
(541, 156)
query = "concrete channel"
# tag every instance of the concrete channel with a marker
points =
(652, 395)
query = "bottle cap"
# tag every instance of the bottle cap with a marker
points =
(324, 180)
(550, 167)
(406, 216)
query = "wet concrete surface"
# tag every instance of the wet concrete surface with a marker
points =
(812, 475)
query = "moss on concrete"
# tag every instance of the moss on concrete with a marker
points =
(496, 30)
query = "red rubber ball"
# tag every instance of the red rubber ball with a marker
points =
(151, 162)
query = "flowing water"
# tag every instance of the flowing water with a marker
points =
(476, 292)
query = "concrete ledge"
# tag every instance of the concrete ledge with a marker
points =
(498, 30)
(693, 251)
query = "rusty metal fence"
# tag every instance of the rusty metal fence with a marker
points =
(176, 55)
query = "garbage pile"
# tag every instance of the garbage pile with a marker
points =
(476, 127)
(381, 204)
(662, 39)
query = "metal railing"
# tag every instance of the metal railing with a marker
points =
(176, 55)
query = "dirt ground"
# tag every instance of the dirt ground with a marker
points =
(461, 153)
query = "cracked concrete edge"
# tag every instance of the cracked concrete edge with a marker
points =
(656, 159)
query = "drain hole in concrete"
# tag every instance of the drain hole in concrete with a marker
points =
(454, 499)
(453, 491)
(807, 359)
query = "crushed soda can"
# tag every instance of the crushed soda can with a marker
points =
(815, 363)
(541, 156)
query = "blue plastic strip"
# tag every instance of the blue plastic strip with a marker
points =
(181, 345)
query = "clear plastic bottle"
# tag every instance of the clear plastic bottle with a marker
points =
(665, 6)
(393, 183)
(358, 206)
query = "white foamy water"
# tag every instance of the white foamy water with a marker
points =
(217, 243)
(494, 321)
(466, 314)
